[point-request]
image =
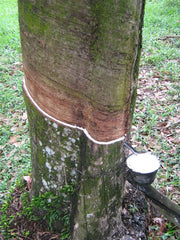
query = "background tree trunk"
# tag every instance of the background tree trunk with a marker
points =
(81, 64)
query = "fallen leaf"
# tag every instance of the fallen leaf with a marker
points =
(24, 116)
(17, 144)
(9, 155)
(28, 179)
(24, 151)
(14, 129)
(13, 139)
(161, 223)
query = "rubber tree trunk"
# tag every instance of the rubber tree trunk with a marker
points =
(63, 156)
(80, 62)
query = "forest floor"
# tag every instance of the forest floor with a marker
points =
(141, 221)
(135, 217)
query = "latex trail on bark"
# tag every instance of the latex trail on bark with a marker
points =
(63, 123)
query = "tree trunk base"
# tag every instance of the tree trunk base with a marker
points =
(63, 156)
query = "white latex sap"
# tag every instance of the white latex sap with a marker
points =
(143, 162)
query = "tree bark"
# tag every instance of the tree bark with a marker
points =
(80, 62)
(63, 156)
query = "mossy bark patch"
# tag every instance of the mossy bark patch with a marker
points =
(62, 156)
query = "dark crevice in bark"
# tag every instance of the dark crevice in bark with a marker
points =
(83, 159)
(79, 184)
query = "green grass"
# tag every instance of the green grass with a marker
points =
(156, 124)
(14, 141)
(46, 209)
(162, 19)
(156, 121)
(160, 106)
(156, 117)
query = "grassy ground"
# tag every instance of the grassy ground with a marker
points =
(156, 120)
(14, 142)
(156, 125)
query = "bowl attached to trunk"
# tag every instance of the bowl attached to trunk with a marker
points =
(143, 167)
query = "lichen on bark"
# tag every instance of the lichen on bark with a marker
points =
(61, 156)
(54, 152)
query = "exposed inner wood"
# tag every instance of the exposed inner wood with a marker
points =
(101, 125)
